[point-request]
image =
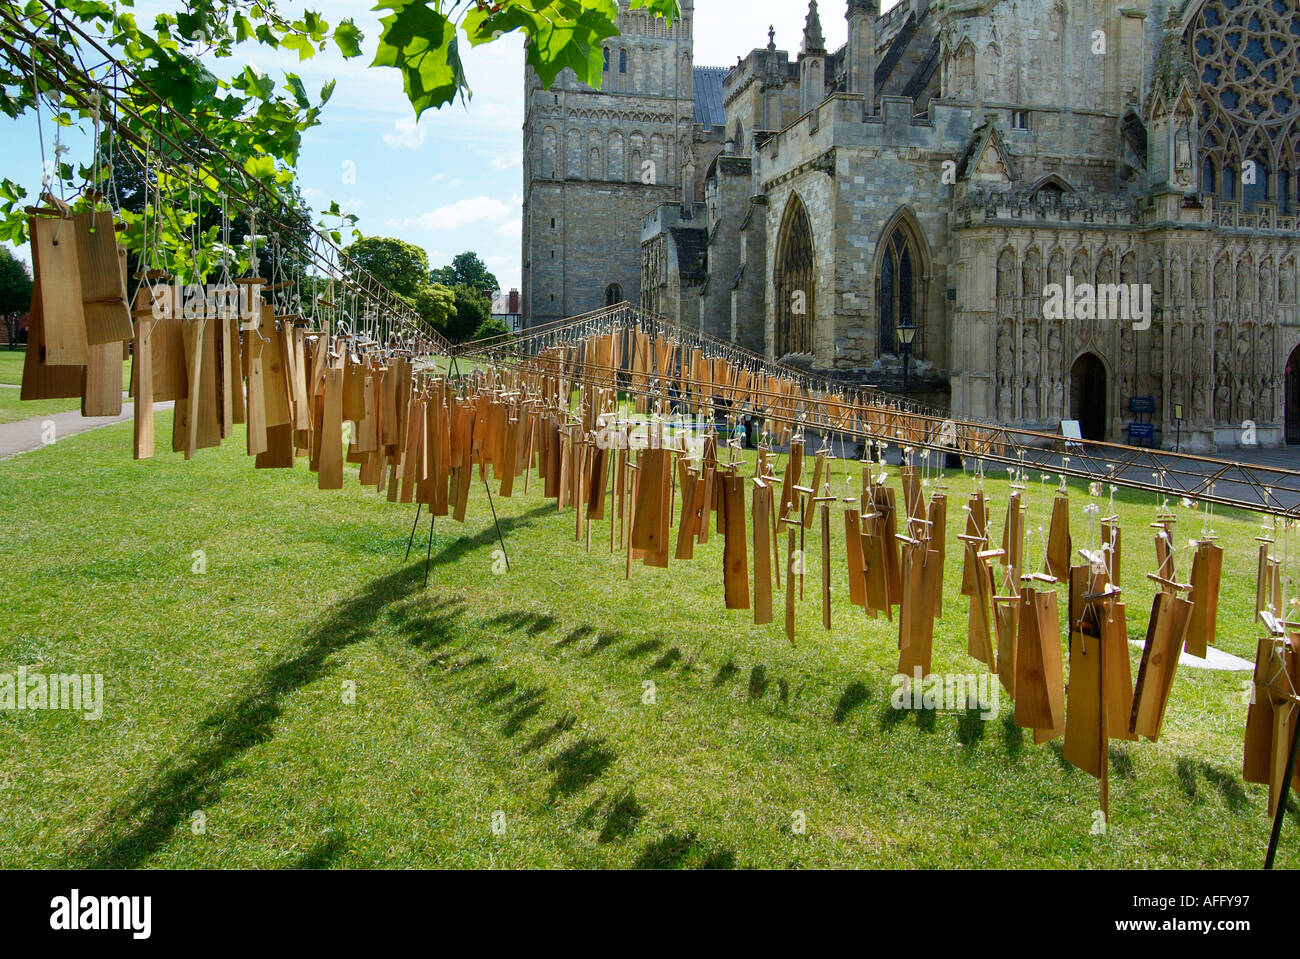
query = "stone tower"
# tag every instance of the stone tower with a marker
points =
(596, 161)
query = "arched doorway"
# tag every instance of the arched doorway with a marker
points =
(795, 286)
(1293, 398)
(613, 295)
(1088, 396)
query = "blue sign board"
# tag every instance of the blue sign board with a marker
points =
(1142, 404)
(1141, 431)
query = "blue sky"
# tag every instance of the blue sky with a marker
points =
(454, 181)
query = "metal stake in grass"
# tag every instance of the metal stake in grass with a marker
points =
(411, 540)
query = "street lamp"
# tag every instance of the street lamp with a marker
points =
(906, 333)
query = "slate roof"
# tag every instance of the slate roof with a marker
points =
(708, 96)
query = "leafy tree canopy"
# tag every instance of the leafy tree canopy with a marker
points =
(400, 266)
(468, 269)
(472, 311)
(15, 284)
(436, 305)
(171, 98)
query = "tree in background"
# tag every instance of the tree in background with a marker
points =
(436, 305)
(492, 326)
(472, 311)
(468, 269)
(15, 293)
(402, 267)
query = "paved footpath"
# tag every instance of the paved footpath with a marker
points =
(27, 435)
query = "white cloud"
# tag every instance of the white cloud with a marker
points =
(407, 135)
(462, 213)
(506, 161)
(512, 228)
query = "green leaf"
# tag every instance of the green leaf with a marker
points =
(296, 41)
(299, 92)
(423, 45)
(260, 166)
(243, 28)
(660, 8)
(326, 92)
(561, 33)
(348, 39)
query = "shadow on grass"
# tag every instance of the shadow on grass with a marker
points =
(324, 854)
(141, 822)
(1013, 737)
(578, 766)
(551, 733)
(678, 851)
(523, 708)
(854, 695)
(725, 672)
(1190, 772)
(622, 819)
(970, 726)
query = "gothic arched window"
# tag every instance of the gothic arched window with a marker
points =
(613, 295)
(795, 284)
(1208, 178)
(1246, 54)
(897, 290)
(1256, 191)
(622, 61)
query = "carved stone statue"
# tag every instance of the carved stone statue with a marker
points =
(1006, 362)
(1029, 409)
(1029, 352)
(1264, 410)
(1054, 348)
(1200, 397)
(1223, 395)
(1056, 402)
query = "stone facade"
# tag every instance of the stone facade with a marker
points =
(961, 168)
(595, 161)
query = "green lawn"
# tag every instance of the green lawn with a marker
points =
(12, 409)
(11, 367)
(523, 694)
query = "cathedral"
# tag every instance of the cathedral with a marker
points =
(1027, 211)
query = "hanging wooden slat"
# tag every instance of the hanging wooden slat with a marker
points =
(762, 509)
(1058, 540)
(735, 548)
(56, 269)
(99, 270)
(330, 475)
(41, 381)
(979, 623)
(1207, 570)
(102, 380)
(856, 563)
(1166, 632)
(1040, 683)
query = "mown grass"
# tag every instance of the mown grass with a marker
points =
(11, 367)
(523, 695)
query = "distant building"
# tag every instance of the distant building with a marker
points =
(956, 170)
(505, 307)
